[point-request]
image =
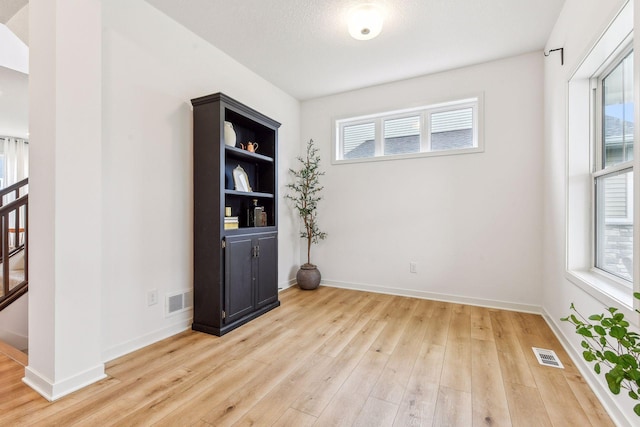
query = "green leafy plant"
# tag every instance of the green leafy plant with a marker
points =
(305, 195)
(607, 341)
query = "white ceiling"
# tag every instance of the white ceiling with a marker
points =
(302, 46)
(8, 8)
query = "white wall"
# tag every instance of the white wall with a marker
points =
(110, 190)
(471, 222)
(14, 103)
(577, 29)
(64, 196)
(151, 72)
(14, 328)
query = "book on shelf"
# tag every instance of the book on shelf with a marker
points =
(231, 222)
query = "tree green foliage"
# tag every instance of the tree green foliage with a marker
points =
(305, 195)
(607, 341)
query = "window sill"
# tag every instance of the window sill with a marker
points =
(421, 154)
(606, 291)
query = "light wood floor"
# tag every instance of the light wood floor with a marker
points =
(332, 357)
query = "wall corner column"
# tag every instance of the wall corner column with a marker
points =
(65, 212)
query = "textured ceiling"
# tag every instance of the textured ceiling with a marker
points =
(302, 46)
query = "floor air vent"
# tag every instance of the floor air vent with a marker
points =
(179, 302)
(547, 357)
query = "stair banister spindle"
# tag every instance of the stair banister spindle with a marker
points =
(5, 253)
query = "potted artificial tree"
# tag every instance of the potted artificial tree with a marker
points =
(305, 195)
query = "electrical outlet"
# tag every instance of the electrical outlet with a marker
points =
(413, 267)
(152, 297)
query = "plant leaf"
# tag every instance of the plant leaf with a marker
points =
(613, 383)
(617, 332)
(584, 332)
(610, 356)
(600, 330)
(629, 361)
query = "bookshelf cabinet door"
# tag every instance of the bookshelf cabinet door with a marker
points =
(267, 269)
(238, 284)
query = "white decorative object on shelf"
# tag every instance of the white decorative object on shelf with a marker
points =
(229, 134)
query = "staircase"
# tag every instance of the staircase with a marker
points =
(14, 278)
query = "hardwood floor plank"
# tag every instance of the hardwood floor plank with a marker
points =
(117, 412)
(514, 366)
(453, 408)
(481, 324)
(418, 406)
(489, 398)
(341, 338)
(588, 401)
(396, 317)
(514, 369)
(526, 407)
(419, 400)
(558, 398)
(14, 354)
(269, 409)
(50, 411)
(530, 331)
(376, 413)
(330, 357)
(188, 403)
(393, 381)
(456, 369)
(293, 418)
(504, 333)
(155, 356)
(438, 326)
(315, 400)
(350, 399)
(284, 361)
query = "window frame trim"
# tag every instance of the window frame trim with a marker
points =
(578, 167)
(598, 169)
(475, 101)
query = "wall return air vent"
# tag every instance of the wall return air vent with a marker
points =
(547, 357)
(178, 302)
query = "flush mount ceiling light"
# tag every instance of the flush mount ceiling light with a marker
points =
(365, 22)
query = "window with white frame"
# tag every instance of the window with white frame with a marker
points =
(447, 128)
(613, 171)
(600, 173)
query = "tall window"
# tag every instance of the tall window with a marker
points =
(613, 174)
(447, 128)
(14, 160)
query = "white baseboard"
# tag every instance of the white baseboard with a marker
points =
(153, 337)
(504, 305)
(145, 340)
(286, 285)
(53, 391)
(602, 393)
